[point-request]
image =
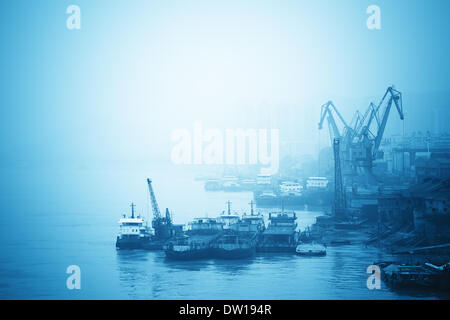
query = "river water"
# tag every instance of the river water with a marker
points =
(56, 218)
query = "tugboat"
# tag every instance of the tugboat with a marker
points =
(281, 234)
(133, 232)
(197, 242)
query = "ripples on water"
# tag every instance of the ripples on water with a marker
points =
(35, 256)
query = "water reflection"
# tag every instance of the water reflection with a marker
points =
(195, 265)
(233, 267)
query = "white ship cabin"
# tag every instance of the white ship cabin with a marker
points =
(206, 224)
(264, 179)
(289, 187)
(131, 227)
(317, 183)
(228, 219)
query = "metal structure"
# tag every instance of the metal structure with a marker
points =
(161, 225)
(326, 111)
(339, 192)
(361, 139)
(346, 134)
(367, 147)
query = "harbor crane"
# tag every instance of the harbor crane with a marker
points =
(161, 224)
(326, 111)
(346, 136)
(366, 149)
(359, 141)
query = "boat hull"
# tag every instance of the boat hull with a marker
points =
(130, 243)
(311, 254)
(138, 243)
(230, 254)
(195, 254)
(276, 249)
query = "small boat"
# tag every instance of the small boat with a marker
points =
(426, 275)
(311, 249)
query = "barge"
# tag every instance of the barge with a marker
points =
(281, 235)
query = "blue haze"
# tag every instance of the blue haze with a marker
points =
(86, 116)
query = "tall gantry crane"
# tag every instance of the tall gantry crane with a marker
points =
(162, 225)
(326, 111)
(359, 141)
(345, 135)
(370, 134)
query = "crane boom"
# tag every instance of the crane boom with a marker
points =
(396, 97)
(155, 208)
(369, 111)
(326, 111)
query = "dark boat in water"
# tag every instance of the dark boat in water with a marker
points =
(232, 245)
(188, 248)
(197, 243)
(134, 232)
(281, 234)
(408, 276)
(239, 241)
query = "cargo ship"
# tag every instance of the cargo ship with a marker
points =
(196, 243)
(133, 232)
(240, 239)
(281, 234)
(234, 245)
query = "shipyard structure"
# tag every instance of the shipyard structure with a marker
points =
(389, 192)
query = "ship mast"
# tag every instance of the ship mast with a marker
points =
(132, 210)
(229, 207)
(251, 207)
